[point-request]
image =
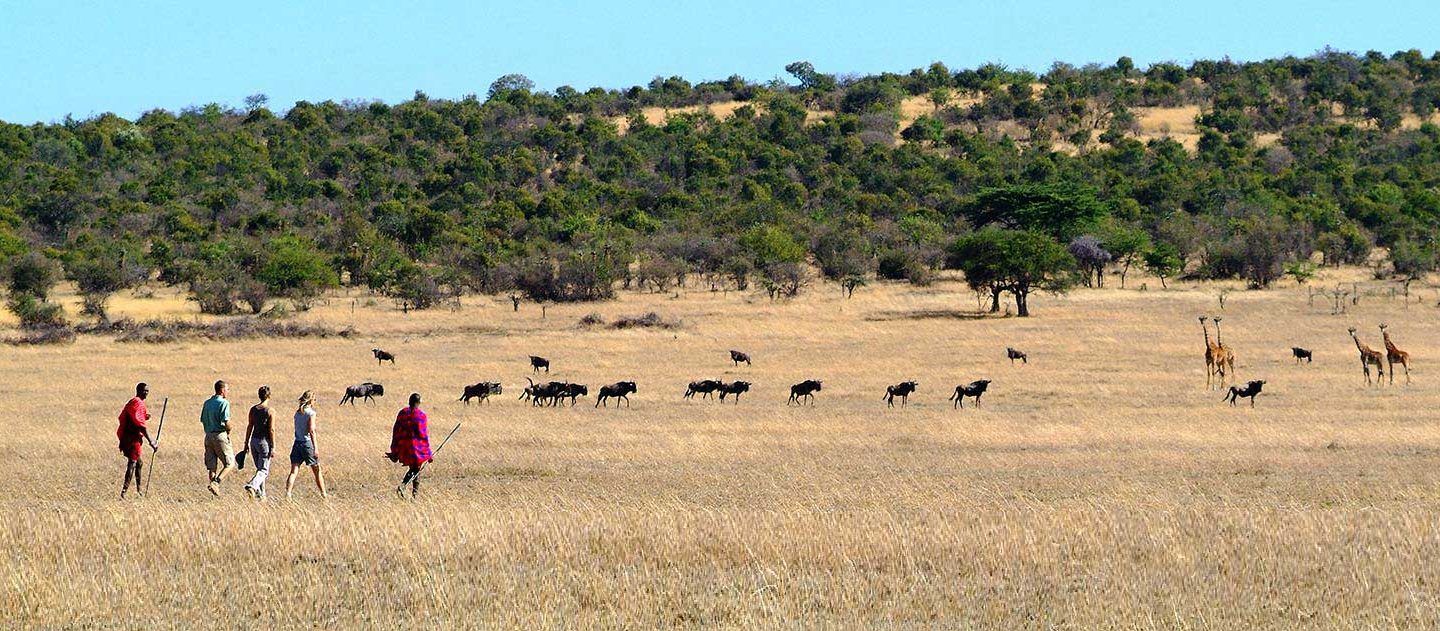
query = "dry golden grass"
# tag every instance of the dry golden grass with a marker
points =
(721, 110)
(1101, 486)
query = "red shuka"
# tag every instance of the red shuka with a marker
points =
(132, 428)
(410, 440)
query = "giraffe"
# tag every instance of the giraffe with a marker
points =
(1212, 355)
(1394, 355)
(1225, 361)
(1368, 356)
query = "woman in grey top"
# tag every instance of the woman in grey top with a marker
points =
(260, 441)
(303, 453)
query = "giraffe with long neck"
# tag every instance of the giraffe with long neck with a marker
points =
(1393, 355)
(1225, 361)
(1212, 355)
(1368, 357)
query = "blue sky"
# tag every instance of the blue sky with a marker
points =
(86, 58)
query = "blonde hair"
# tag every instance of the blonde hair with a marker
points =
(305, 400)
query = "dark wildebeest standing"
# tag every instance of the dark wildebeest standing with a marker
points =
(536, 363)
(972, 389)
(737, 357)
(481, 391)
(365, 391)
(901, 390)
(704, 387)
(541, 393)
(617, 391)
(381, 356)
(803, 390)
(1014, 355)
(572, 391)
(1302, 353)
(734, 388)
(1249, 391)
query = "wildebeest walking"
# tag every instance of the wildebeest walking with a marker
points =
(737, 357)
(804, 390)
(1302, 354)
(735, 388)
(1014, 355)
(366, 391)
(901, 390)
(481, 391)
(536, 363)
(617, 391)
(572, 391)
(972, 389)
(704, 387)
(1250, 391)
(381, 356)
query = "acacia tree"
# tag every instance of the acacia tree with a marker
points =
(1128, 246)
(1014, 261)
(1163, 261)
(1091, 257)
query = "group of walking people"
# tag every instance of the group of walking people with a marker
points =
(409, 443)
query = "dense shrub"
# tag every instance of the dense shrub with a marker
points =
(35, 313)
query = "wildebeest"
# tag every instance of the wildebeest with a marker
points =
(1250, 390)
(547, 393)
(704, 387)
(616, 390)
(536, 363)
(972, 389)
(481, 391)
(1302, 353)
(540, 393)
(734, 388)
(737, 357)
(572, 391)
(365, 391)
(803, 390)
(381, 356)
(901, 390)
(1014, 355)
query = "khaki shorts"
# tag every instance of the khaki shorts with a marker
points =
(218, 451)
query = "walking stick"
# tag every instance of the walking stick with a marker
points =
(158, 429)
(432, 455)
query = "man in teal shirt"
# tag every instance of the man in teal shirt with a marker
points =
(219, 456)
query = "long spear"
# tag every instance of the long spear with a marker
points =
(433, 454)
(156, 447)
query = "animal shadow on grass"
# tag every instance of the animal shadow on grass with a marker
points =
(927, 314)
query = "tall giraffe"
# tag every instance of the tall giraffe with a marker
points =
(1212, 356)
(1368, 356)
(1225, 362)
(1394, 355)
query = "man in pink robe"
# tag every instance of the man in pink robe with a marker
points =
(133, 435)
(410, 444)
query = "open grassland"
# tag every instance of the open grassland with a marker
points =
(1099, 486)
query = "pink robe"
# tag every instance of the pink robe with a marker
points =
(410, 440)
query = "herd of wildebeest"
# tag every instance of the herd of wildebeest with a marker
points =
(1219, 364)
(557, 393)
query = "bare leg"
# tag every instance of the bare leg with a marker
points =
(319, 480)
(290, 479)
(129, 473)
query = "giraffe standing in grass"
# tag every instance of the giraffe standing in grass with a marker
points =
(1225, 361)
(1213, 353)
(1394, 355)
(1368, 356)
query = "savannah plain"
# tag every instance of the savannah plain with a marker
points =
(1100, 486)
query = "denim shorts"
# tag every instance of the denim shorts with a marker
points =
(304, 453)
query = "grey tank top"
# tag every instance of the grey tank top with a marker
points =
(303, 420)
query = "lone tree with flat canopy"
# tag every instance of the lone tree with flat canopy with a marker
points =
(1019, 262)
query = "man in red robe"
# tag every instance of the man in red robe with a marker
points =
(410, 444)
(133, 436)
